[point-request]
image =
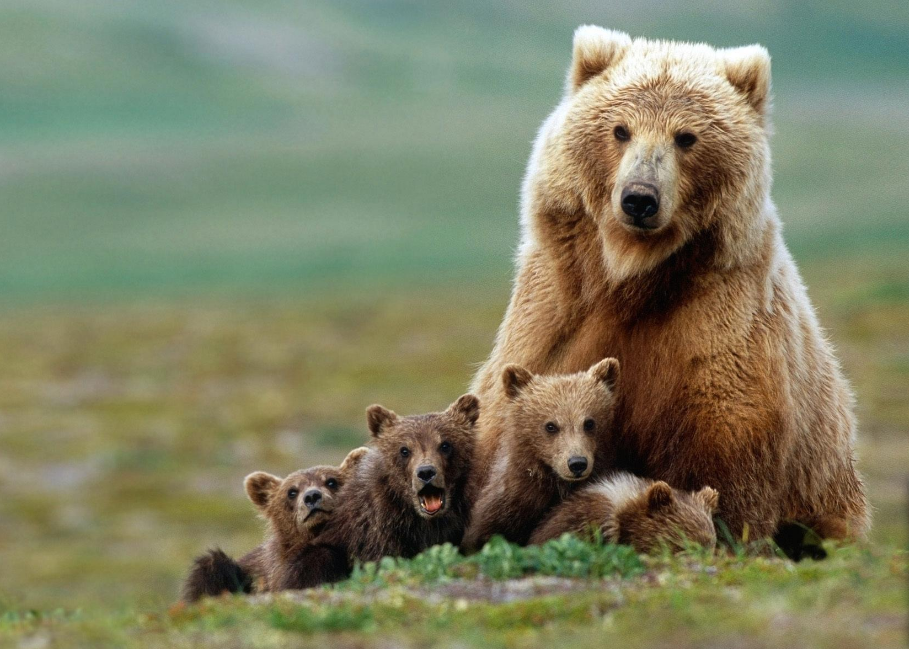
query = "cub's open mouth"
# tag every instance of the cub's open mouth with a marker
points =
(432, 499)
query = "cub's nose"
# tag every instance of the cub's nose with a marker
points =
(577, 465)
(312, 498)
(641, 201)
(426, 473)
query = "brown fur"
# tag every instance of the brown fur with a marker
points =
(386, 517)
(727, 378)
(526, 468)
(645, 514)
(292, 526)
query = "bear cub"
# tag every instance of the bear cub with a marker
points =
(295, 509)
(556, 429)
(410, 491)
(645, 514)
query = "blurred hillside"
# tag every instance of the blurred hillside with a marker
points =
(240, 147)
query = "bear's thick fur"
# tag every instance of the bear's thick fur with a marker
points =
(645, 514)
(649, 235)
(411, 490)
(557, 431)
(295, 509)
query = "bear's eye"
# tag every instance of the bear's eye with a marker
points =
(445, 447)
(405, 452)
(589, 425)
(292, 494)
(331, 483)
(685, 140)
(551, 427)
(621, 133)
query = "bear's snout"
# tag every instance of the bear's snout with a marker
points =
(426, 473)
(641, 202)
(577, 465)
(312, 499)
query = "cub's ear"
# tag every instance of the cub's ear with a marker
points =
(748, 70)
(515, 378)
(595, 51)
(353, 459)
(378, 418)
(710, 497)
(606, 371)
(659, 496)
(260, 486)
(466, 409)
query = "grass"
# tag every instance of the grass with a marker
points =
(691, 600)
(127, 430)
(171, 150)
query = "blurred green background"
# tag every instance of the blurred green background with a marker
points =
(227, 227)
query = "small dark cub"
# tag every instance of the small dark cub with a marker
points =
(296, 510)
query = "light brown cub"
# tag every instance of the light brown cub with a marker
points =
(645, 514)
(557, 431)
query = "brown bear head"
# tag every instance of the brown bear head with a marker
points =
(663, 142)
(561, 419)
(665, 517)
(427, 456)
(304, 499)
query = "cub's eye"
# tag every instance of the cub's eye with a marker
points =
(331, 483)
(292, 494)
(551, 427)
(405, 452)
(589, 425)
(685, 140)
(621, 133)
(445, 447)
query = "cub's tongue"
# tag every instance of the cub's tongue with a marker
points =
(432, 503)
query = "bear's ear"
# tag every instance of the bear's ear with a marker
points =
(748, 70)
(378, 418)
(353, 459)
(515, 378)
(659, 496)
(260, 486)
(606, 371)
(595, 50)
(710, 497)
(466, 409)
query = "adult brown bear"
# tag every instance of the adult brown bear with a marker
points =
(649, 235)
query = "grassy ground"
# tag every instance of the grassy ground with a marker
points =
(227, 228)
(127, 431)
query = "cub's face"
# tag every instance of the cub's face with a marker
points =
(429, 455)
(665, 137)
(561, 419)
(667, 517)
(304, 499)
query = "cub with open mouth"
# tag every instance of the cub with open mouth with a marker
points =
(296, 509)
(557, 431)
(411, 488)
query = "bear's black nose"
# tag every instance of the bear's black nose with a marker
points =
(426, 473)
(312, 498)
(577, 465)
(641, 201)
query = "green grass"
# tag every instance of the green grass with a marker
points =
(691, 600)
(128, 427)
(171, 149)
(498, 559)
